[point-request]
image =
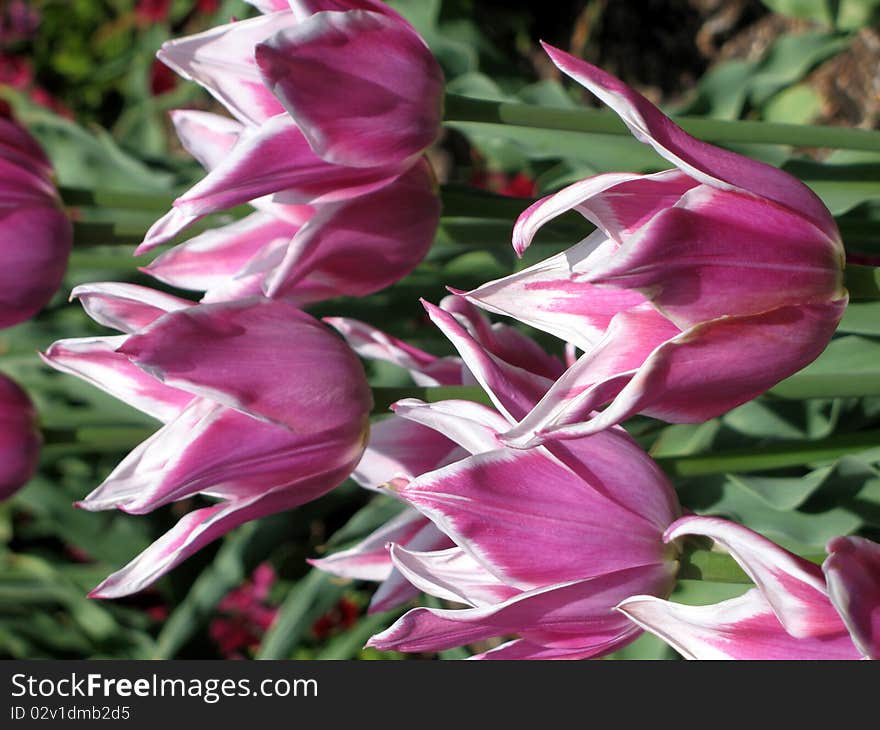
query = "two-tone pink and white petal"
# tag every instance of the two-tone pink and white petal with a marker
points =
(793, 587)
(222, 61)
(700, 160)
(233, 352)
(740, 628)
(491, 504)
(852, 573)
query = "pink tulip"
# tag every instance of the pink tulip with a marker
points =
(302, 253)
(702, 287)
(35, 233)
(19, 438)
(263, 407)
(591, 513)
(399, 449)
(797, 611)
(334, 99)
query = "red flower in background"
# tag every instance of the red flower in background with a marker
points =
(244, 614)
(162, 78)
(342, 616)
(152, 11)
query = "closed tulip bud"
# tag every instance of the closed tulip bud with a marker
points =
(19, 438)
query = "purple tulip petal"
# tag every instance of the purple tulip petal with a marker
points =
(794, 587)
(211, 259)
(222, 60)
(451, 575)
(363, 245)
(712, 248)
(215, 451)
(704, 162)
(520, 649)
(396, 589)
(739, 628)
(553, 296)
(852, 572)
(207, 137)
(616, 202)
(560, 614)
(472, 426)
(514, 391)
(493, 503)
(95, 360)
(506, 342)
(234, 352)
(20, 438)
(372, 344)
(125, 307)
(386, 105)
(271, 158)
(37, 239)
(681, 381)
(199, 528)
(400, 449)
(370, 559)
(597, 377)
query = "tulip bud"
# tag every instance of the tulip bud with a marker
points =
(19, 438)
(35, 233)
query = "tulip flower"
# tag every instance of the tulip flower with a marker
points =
(702, 286)
(264, 409)
(590, 513)
(797, 611)
(399, 449)
(19, 438)
(35, 233)
(302, 253)
(335, 98)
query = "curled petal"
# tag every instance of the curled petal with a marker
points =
(616, 202)
(514, 391)
(222, 60)
(504, 341)
(794, 587)
(388, 88)
(739, 628)
(373, 344)
(400, 449)
(207, 137)
(370, 559)
(553, 295)
(704, 162)
(575, 613)
(852, 572)
(472, 426)
(95, 360)
(125, 307)
(211, 259)
(451, 575)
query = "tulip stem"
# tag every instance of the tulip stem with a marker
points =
(595, 121)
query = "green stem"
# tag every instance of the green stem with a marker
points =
(594, 121)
